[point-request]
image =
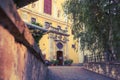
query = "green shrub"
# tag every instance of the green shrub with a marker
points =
(54, 62)
(68, 62)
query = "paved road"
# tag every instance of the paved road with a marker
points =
(73, 73)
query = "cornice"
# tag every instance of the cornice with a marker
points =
(46, 30)
(45, 16)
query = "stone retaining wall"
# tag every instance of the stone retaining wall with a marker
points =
(105, 68)
(20, 58)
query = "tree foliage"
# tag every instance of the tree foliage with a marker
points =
(96, 22)
(37, 34)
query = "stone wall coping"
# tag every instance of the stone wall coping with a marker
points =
(111, 63)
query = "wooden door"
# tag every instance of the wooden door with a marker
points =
(60, 57)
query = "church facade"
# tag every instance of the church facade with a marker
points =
(57, 42)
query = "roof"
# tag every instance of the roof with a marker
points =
(22, 3)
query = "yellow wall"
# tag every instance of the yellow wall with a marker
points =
(37, 12)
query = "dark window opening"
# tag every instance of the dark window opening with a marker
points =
(47, 25)
(33, 20)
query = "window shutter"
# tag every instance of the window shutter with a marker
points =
(48, 6)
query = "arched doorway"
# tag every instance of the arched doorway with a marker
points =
(60, 57)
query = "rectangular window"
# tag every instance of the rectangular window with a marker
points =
(33, 20)
(47, 25)
(48, 6)
(73, 46)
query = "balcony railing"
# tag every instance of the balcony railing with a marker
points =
(101, 58)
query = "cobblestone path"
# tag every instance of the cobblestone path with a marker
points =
(73, 73)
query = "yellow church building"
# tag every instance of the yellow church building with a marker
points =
(57, 42)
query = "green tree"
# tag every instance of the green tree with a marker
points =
(96, 22)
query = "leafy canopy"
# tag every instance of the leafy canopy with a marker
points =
(95, 22)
